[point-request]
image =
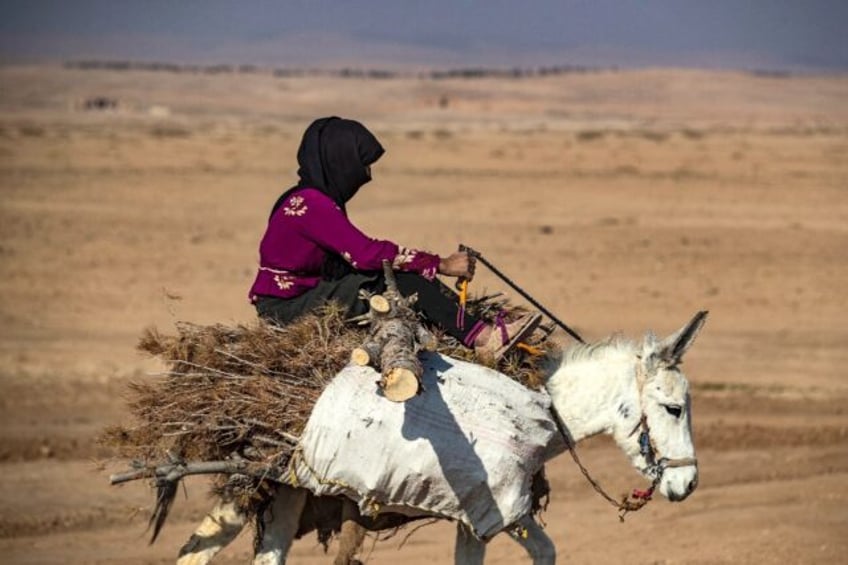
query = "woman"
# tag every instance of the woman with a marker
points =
(311, 253)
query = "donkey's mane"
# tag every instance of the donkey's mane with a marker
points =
(587, 351)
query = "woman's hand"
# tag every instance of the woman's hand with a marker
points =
(458, 264)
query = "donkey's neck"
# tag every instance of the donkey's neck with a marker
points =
(593, 388)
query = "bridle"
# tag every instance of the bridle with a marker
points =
(656, 463)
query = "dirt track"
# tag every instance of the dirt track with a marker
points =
(623, 201)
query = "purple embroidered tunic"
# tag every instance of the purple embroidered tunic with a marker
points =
(304, 228)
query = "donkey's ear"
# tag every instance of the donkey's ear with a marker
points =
(671, 350)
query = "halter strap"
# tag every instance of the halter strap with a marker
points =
(657, 464)
(682, 462)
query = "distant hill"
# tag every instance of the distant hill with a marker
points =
(337, 50)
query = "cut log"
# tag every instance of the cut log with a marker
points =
(366, 354)
(394, 340)
(400, 384)
(379, 304)
(399, 363)
(360, 356)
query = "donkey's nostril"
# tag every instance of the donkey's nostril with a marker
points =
(691, 486)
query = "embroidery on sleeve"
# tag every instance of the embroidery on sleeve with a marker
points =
(346, 256)
(285, 282)
(404, 256)
(295, 206)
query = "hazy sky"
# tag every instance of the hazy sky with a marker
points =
(776, 34)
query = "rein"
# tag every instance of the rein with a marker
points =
(635, 501)
(479, 256)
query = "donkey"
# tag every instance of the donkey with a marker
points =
(634, 392)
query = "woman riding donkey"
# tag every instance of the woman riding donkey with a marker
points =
(311, 253)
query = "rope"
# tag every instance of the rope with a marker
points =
(625, 505)
(477, 255)
(298, 457)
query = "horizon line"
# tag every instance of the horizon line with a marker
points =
(393, 71)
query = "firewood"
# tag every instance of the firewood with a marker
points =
(394, 340)
(400, 384)
(379, 304)
(399, 353)
(173, 472)
(366, 354)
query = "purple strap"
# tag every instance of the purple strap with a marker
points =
(500, 322)
(472, 334)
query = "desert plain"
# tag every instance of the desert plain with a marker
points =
(622, 200)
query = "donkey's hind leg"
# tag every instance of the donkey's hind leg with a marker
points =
(219, 528)
(281, 521)
(468, 549)
(533, 538)
(351, 536)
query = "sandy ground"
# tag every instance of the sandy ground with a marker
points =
(623, 201)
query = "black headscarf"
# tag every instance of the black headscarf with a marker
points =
(335, 156)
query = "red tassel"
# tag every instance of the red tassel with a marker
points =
(642, 494)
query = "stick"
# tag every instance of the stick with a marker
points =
(175, 471)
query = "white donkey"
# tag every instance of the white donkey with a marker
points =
(634, 392)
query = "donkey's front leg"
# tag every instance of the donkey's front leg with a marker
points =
(219, 528)
(281, 520)
(533, 538)
(468, 550)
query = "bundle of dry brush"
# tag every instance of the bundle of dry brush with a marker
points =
(234, 400)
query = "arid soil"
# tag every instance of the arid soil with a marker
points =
(624, 201)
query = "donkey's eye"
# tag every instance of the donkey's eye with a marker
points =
(673, 409)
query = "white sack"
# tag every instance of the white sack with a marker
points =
(465, 449)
